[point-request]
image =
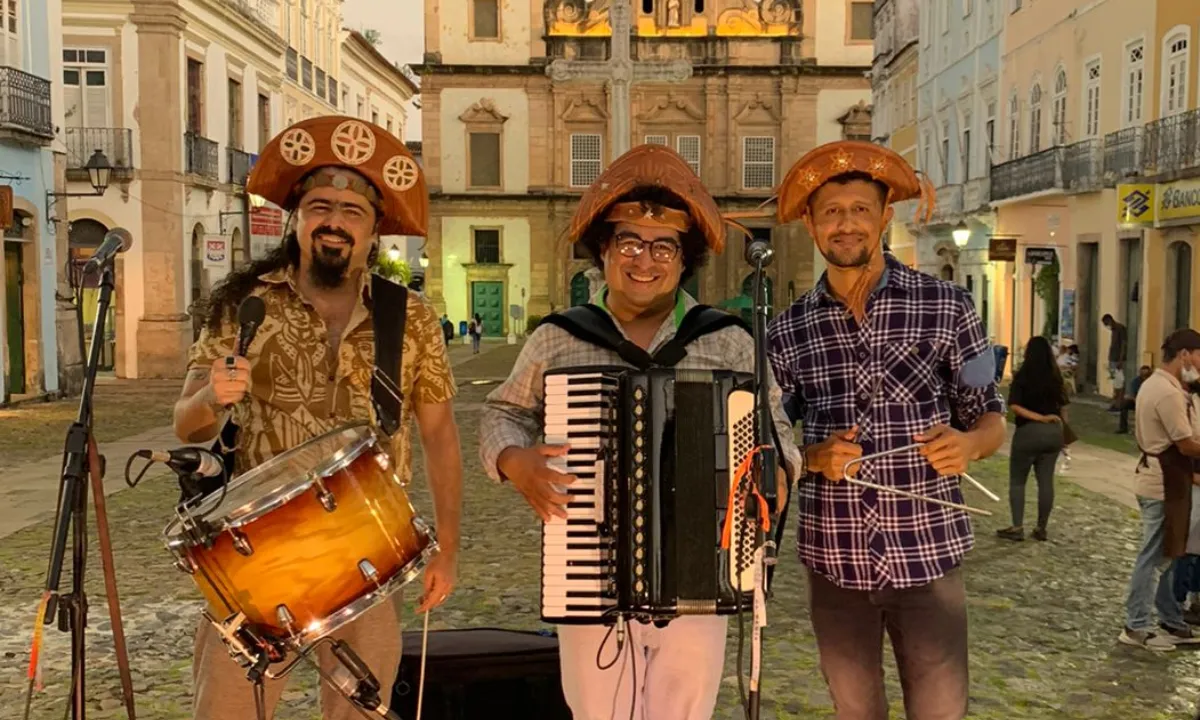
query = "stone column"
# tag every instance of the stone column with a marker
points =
(164, 330)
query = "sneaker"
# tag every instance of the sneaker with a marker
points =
(1146, 639)
(1183, 636)
(1015, 534)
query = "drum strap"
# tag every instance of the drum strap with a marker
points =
(389, 303)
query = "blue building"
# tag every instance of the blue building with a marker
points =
(34, 244)
(957, 94)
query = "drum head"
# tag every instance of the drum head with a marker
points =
(285, 476)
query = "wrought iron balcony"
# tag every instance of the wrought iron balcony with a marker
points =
(240, 163)
(1083, 166)
(976, 194)
(949, 203)
(115, 143)
(201, 156)
(1172, 144)
(1031, 174)
(1122, 155)
(25, 104)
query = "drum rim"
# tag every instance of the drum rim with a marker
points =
(254, 509)
(355, 609)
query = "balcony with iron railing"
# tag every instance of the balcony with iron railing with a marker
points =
(1172, 144)
(239, 163)
(977, 194)
(25, 106)
(1122, 155)
(949, 203)
(201, 156)
(1083, 166)
(115, 143)
(1028, 175)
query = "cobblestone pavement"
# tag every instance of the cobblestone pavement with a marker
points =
(1044, 616)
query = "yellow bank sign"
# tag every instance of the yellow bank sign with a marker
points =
(1163, 204)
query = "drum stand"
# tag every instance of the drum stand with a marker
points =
(80, 459)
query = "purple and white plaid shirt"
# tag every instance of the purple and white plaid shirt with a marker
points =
(919, 359)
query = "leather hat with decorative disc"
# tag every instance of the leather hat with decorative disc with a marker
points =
(333, 141)
(847, 156)
(650, 166)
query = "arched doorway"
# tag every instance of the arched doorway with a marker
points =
(84, 237)
(1179, 286)
(238, 251)
(20, 307)
(947, 272)
(579, 289)
(200, 282)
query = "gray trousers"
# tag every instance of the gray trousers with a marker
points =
(1035, 446)
(928, 629)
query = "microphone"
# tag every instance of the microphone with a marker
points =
(759, 251)
(118, 240)
(250, 315)
(190, 461)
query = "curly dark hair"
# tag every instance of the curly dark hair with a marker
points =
(1039, 376)
(695, 249)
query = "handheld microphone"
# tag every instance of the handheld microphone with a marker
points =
(759, 251)
(190, 461)
(251, 313)
(118, 240)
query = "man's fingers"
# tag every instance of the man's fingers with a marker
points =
(847, 434)
(553, 450)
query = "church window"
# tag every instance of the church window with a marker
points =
(484, 159)
(586, 158)
(485, 23)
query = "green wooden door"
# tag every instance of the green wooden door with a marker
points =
(487, 299)
(579, 289)
(15, 319)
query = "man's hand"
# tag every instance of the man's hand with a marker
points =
(947, 450)
(526, 469)
(441, 574)
(229, 380)
(831, 455)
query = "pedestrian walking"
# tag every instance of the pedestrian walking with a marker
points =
(1039, 400)
(475, 330)
(1116, 360)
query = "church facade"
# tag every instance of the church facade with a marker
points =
(509, 145)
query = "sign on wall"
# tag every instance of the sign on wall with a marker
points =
(1039, 256)
(266, 228)
(1066, 323)
(1157, 205)
(1002, 249)
(216, 256)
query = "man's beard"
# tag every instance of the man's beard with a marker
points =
(847, 257)
(329, 265)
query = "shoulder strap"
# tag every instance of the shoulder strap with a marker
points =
(701, 320)
(389, 315)
(591, 324)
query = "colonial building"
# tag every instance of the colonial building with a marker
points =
(894, 89)
(39, 352)
(180, 97)
(956, 99)
(520, 115)
(1099, 126)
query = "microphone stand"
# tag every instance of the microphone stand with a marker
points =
(80, 458)
(764, 468)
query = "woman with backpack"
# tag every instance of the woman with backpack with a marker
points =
(475, 330)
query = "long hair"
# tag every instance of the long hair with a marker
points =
(692, 243)
(228, 294)
(1039, 375)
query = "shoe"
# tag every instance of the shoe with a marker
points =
(1146, 639)
(1191, 616)
(1040, 534)
(1015, 534)
(1178, 636)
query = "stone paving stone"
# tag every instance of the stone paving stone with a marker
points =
(1044, 616)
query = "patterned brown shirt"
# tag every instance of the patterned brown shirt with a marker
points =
(300, 390)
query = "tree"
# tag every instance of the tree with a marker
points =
(371, 35)
(396, 270)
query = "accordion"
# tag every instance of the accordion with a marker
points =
(654, 454)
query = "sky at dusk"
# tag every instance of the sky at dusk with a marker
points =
(401, 26)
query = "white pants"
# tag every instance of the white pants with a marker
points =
(678, 673)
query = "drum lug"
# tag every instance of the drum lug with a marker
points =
(241, 543)
(326, 498)
(369, 573)
(285, 617)
(185, 564)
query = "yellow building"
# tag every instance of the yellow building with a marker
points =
(1099, 125)
(509, 147)
(312, 30)
(894, 91)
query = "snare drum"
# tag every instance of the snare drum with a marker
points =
(306, 542)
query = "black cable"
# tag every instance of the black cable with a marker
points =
(129, 464)
(600, 650)
(633, 676)
(260, 700)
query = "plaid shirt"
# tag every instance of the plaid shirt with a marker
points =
(919, 359)
(512, 413)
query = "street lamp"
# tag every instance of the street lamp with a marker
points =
(424, 260)
(99, 171)
(962, 234)
(393, 253)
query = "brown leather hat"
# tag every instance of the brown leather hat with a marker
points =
(651, 166)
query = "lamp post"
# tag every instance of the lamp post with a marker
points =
(962, 234)
(99, 171)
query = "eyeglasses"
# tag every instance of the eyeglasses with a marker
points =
(662, 251)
